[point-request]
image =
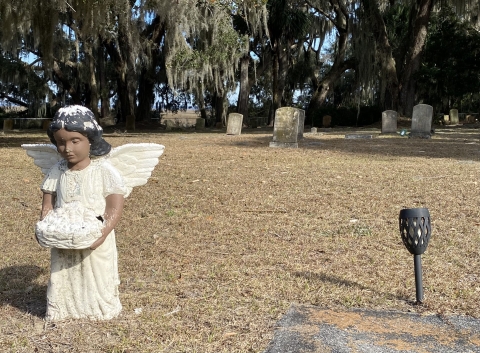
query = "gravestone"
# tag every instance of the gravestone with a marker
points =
(46, 124)
(389, 122)
(470, 119)
(8, 125)
(313, 130)
(200, 124)
(285, 128)
(234, 124)
(327, 121)
(253, 122)
(446, 119)
(171, 124)
(301, 123)
(454, 116)
(359, 136)
(422, 121)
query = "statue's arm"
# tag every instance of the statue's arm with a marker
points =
(47, 204)
(113, 212)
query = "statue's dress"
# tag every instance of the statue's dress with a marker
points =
(84, 283)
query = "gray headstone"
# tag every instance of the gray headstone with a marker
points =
(171, 124)
(454, 116)
(389, 122)
(301, 123)
(8, 124)
(422, 121)
(285, 129)
(326, 121)
(470, 119)
(234, 124)
(313, 130)
(200, 124)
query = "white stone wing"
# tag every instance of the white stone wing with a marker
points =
(135, 162)
(44, 156)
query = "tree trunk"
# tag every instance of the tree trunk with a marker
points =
(244, 92)
(339, 64)
(66, 85)
(279, 74)
(219, 108)
(419, 22)
(105, 102)
(126, 82)
(384, 54)
(201, 103)
(324, 88)
(93, 89)
(146, 96)
(123, 56)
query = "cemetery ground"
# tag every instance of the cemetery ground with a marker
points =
(228, 233)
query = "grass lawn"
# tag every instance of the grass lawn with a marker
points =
(229, 232)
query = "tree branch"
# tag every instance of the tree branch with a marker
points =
(13, 100)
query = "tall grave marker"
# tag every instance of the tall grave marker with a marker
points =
(454, 116)
(234, 124)
(285, 129)
(389, 122)
(422, 121)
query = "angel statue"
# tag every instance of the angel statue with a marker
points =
(85, 184)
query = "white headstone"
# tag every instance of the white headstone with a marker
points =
(454, 116)
(389, 122)
(234, 124)
(285, 128)
(422, 121)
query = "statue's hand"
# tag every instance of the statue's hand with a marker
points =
(98, 242)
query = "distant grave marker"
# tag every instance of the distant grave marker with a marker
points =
(326, 121)
(285, 128)
(200, 124)
(359, 136)
(454, 116)
(389, 122)
(234, 124)
(470, 119)
(8, 125)
(422, 121)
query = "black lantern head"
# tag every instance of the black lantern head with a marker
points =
(415, 229)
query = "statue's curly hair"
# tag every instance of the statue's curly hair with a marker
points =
(77, 118)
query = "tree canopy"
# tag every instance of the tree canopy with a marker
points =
(130, 57)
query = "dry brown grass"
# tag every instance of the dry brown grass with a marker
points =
(229, 232)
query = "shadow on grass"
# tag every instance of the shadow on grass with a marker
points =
(13, 141)
(461, 145)
(340, 282)
(18, 289)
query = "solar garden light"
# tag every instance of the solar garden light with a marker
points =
(415, 230)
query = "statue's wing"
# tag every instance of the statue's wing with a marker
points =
(135, 162)
(44, 155)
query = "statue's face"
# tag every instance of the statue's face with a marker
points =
(74, 147)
